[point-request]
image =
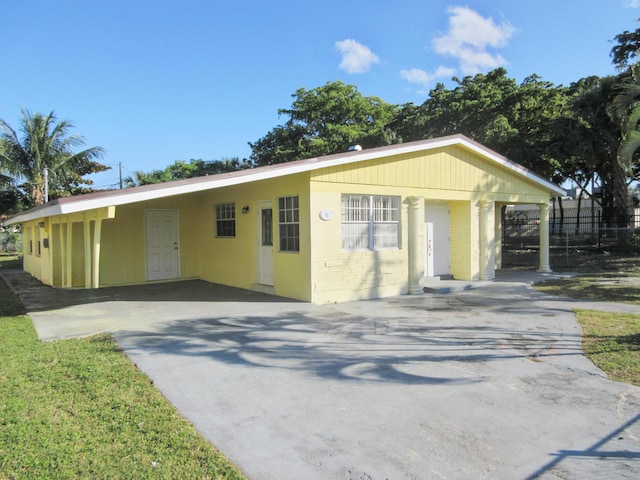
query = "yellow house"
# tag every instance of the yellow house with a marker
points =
(356, 225)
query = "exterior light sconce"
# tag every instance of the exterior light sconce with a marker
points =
(41, 224)
(245, 209)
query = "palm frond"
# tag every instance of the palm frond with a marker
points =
(629, 147)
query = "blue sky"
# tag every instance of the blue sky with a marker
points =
(154, 81)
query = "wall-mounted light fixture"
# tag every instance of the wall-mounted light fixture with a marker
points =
(245, 209)
(41, 224)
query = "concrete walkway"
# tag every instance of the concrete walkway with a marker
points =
(480, 383)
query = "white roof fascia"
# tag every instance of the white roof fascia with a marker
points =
(132, 196)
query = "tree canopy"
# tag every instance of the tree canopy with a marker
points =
(325, 120)
(181, 169)
(495, 111)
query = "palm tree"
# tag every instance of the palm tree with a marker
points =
(44, 143)
(627, 104)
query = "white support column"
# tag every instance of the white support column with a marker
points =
(544, 238)
(416, 264)
(97, 234)
(487, 247)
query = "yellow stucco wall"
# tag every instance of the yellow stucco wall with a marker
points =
(321, 271)
(32, 261)
(38, 262)
(229, 261)
(462, 255)
(337, 275)
(234, 261)
(455, 175)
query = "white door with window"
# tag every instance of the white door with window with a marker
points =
(162, 244)
(436, 239)
(265, 243)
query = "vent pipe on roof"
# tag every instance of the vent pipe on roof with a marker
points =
(355, 148)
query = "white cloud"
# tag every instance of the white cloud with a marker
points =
(356, 58)
(632, 4)
(424, 78)
(469, 38)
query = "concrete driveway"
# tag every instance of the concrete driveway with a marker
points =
(483, 383)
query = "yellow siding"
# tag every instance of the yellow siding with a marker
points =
(450, 173)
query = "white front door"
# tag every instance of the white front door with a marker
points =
(162, 244)
(436, 239)
(265, 243)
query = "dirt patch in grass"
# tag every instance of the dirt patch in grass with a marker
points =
(601, 276)
(601, 288)
(580, 261)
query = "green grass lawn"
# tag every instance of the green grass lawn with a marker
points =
(81, 409)
(612, 342)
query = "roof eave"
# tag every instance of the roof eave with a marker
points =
(120, 197)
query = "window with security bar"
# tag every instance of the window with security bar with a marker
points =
(370, 222)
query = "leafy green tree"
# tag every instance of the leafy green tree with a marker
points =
(325, 120)
(181, 169)
(627, 50)
(45, 142)
(496, 111)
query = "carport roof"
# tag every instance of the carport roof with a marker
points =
(80, 203)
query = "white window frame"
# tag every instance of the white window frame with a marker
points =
(225, 219)
(289, 224)
(370, 222)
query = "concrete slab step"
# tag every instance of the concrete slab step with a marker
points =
(446, 284)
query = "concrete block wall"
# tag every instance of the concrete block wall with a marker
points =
(340, 276)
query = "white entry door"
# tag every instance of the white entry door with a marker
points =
(162, 244)
(265, 243)
(436, 239)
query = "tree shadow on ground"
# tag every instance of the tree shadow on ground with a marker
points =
(596, 451)
(349, 347)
